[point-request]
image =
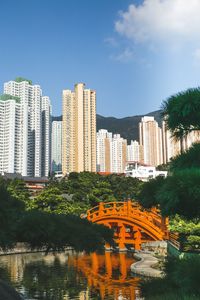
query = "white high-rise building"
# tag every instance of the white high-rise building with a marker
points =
(11, 159)
(111, 152)
(56, 152)
(134, 152)
(104, 139)
(118, 154)
(29, 133)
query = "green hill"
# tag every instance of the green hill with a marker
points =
(127, 127)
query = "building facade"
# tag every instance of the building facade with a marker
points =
(29, 133)
(118, 154)
(134, 152)
(79, 130)
(104, 139)
(150, 136)
(56, 152)
(11, 159)
(46, 136)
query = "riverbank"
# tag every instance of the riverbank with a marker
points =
(145, 265)
(21, 248)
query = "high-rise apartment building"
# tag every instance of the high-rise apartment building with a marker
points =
(56, 152)
(46, 136)
(29, 133)
(11, 159)
(111, 152)
(118, 151)
(171, 147)
(104, 139)
(134, 152)
(79, 130)
(151, 140)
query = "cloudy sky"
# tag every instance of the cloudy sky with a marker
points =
(134, 53)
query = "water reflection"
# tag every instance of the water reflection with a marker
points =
(71, 276)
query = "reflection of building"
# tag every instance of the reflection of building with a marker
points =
(56, 164)
(79, 130)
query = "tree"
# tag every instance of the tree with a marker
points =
(177, 194)
(10, 210)
(41, 230)
(182, 113)
(18, 189)
(188, 159)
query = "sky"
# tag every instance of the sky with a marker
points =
(134, 53)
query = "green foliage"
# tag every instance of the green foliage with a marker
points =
(90, 188)
(41, 229)
(189, 232)
(181, 225)
(147, 196)
(182, 112)
(177, 194)
(18, 190)
(21, 79)
(188, 159)
(180, 194)
(6, 97)
(54, 232)
(10, 210)
(181, 280)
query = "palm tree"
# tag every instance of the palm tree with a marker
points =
(182, 113)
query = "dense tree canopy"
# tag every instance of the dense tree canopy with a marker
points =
(188, 159)
(40, 229)
(177, 194)
(182, 112)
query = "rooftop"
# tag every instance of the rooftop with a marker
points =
(6, 97)
(21, 79)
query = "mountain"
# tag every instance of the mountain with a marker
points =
(127, 127)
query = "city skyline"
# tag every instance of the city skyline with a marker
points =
(116, 47)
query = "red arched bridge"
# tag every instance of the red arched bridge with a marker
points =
(131, 223)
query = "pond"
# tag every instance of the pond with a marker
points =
(71, 276)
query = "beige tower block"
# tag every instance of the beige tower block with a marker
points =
(79, 130)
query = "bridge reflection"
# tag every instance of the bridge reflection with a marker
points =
(109, 274)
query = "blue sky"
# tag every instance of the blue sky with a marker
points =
(134, 53)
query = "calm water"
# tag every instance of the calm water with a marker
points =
(71, 276)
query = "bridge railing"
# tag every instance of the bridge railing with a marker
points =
(152, 218)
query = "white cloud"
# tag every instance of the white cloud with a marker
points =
(171, 22)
